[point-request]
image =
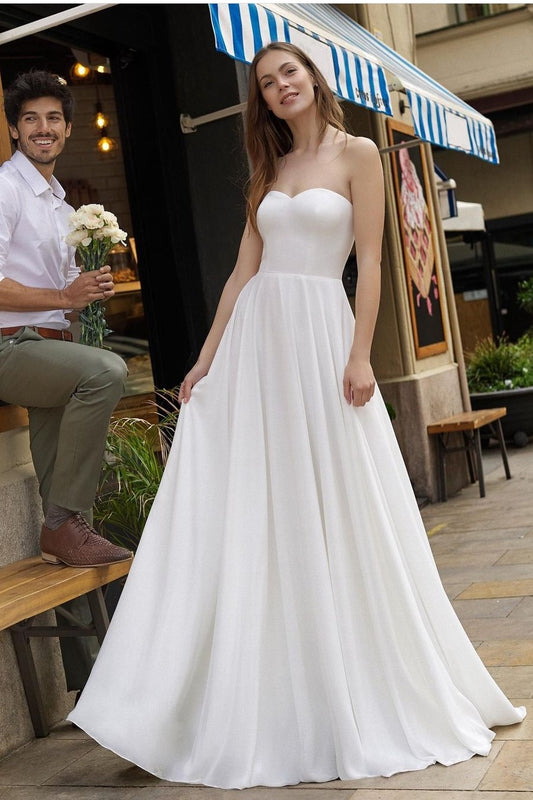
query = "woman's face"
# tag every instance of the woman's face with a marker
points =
(285, 84)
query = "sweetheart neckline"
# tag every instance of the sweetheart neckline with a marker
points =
(312, 189)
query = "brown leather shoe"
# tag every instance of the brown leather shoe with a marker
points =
(76, 544)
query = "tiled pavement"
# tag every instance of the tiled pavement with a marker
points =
(484, 550)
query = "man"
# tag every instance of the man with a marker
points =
(70, 390)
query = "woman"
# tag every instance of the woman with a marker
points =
(284, 620)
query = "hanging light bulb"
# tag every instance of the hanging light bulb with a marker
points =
(105, 143)
(101, 120)
(79, 70)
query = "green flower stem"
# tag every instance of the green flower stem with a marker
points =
(93, 325)
(92, 318)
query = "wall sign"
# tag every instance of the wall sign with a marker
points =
(420, 248)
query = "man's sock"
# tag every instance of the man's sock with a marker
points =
(56, 516)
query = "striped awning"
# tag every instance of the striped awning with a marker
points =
(358, 67)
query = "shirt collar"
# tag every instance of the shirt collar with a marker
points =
(33, 177)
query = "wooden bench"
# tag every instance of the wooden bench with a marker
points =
(30, 587)
(12, 417)
(469, 424)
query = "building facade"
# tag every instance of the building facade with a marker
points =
(182, 197)
(485, 57)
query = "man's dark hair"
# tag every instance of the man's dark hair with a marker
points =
(32, 85)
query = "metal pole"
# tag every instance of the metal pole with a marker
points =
(401, 146)
(190, 124)
(52, 21)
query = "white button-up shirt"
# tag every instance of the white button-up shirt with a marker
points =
(33, 252)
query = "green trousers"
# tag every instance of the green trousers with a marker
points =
(70, 391)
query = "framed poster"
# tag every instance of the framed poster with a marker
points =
(420, 249)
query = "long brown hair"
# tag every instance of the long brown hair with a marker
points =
(268, 137)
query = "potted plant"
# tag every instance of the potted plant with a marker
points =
(500, 373)
(135, 457)
(136, 452)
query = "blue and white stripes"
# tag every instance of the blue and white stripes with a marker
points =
(360, 80)
(354, 63)
(242, 28)
(452, 127)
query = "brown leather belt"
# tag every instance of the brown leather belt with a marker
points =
(46, 333)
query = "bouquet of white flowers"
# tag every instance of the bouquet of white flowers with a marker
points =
(94, 232)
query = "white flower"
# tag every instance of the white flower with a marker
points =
(75, 237)
(91, 223)
(110, 230)
(92, 208)
(109, 219)
(119, 236)
(508, 382)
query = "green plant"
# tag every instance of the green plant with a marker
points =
(136, 453)
(497, 365)
(525, 295)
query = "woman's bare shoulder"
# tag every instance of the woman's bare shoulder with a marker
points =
(361, 147)
(362, 157)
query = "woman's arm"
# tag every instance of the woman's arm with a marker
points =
(368, 197)
(246, 266)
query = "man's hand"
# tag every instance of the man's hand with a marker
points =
(88, 287)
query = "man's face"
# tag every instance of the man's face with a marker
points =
(41, 132)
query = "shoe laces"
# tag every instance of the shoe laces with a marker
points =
(83, 526)
(90, 534)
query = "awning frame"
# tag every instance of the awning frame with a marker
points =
(52, 21)
(190, 124)
(481, 135)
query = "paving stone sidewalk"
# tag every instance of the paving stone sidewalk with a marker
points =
(484, 551)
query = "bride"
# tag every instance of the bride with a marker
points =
(283, 620)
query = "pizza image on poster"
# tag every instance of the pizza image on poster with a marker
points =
(420, 253)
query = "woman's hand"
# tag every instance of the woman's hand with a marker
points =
(193, 376)
(359, 382)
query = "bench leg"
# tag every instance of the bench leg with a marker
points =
(479, 455)
(21, 635)
(441, 451)
(98, 613)
(497, 430)
(469, 449)
(30, 682)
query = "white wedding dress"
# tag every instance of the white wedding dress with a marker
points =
(283, 620)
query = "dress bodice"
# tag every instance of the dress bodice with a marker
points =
(309, 234)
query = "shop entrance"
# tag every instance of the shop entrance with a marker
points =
(91, 170)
